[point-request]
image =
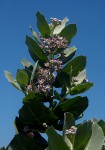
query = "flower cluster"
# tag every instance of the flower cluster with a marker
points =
(54, 65)
(42, 81)
(56, 21)
(53, 43)
(44, 78)
(72, 130)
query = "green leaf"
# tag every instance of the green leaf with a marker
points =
(36, 66)
(22, 78)
(10, 78)
(35, 51)
(64, 80)
(67, 55)
(101, 123)
(82, 136)
(34, 112)
(57, 96)
(68, 122)
(80, 88)
(60, 27)
(42, 25)
(75, 66)
(20, 142)
(75, 105)
(55, 141)
(97, 139)
(33, 96)
(69, 32)
(71, 69)
(56, 83)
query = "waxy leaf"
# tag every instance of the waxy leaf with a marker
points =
(81, 77)
(34, 34)
(42, 25)
(64, 80)
(69, 32)
(60, 27)
(80, 88)
(71, 70)
(36, 66)
(97, 139)
(75, 105)
(57, 96)
(67, 55)
(22, 78)
(26, 63)
(82, 136)
(34, 112)
(101, 123)
(33, 96)
(75, 66)
(35, 51)
(55, 141)
(69, 121)
(10, 78)
(20, 142)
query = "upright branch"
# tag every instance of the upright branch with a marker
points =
(54, 78)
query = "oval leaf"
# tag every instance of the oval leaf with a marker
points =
(55, 141)
(69, 32)
(75, 66)
(21, 142)
(22, 78)
(35, 51)
(80, 88)
(97, 139)
(68, 122)
(10, 78)
(30, 114)
(42, 25)
(75, 105)
(67, 55)
(60, 27)
(82, 136)
(26, 63)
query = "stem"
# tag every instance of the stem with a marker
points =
(51, 56)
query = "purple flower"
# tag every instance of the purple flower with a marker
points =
(55, 21)
(51, 44)
(72, 130)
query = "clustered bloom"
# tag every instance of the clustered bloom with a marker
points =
(42, 81)
(44, 78)
(54, 65)
(51, 44)
(72, 130)
(56, 21)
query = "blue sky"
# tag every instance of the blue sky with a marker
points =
(15, 18)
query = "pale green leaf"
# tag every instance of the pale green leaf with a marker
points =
(97, 139)
(60, 27)
(80, 77)
(26, 63)
(10, 78)
(68, 122)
